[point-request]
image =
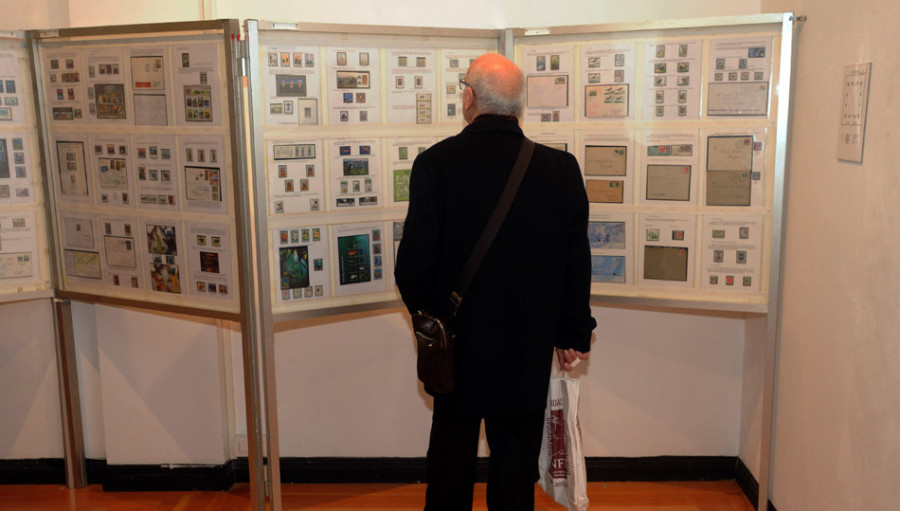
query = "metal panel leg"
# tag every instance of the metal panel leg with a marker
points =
(69, 396)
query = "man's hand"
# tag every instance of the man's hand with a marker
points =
(568, 359)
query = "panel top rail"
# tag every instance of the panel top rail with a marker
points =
(380, 29)
(672, 24)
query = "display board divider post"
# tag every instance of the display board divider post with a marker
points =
(64, 337)
(264, 330)
(790, 26)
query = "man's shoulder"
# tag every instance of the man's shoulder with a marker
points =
(555, 157)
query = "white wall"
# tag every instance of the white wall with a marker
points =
(30, 425)
(838, 412)
(162, 388)
(660, 382)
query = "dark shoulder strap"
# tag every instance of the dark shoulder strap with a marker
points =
(493, 224)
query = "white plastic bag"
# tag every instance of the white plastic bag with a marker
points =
(561, 465)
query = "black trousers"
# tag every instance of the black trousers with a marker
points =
(514, 442)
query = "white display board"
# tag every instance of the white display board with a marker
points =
(341, 112)
(676, 133)
(24, 266)
(139, 142)
(674, 128)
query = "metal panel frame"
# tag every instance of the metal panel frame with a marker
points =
(507, 39)
(230, 31)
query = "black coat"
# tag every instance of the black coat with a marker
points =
(532, 290)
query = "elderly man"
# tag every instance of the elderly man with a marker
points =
(529, 296)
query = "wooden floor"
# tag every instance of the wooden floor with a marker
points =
(667, 496)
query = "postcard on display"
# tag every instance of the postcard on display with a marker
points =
(732, 253)
(607, 161)
(106, 80)
(12, 87)
(412, 86)
(563, 140)
(354, 85)
(672, 80)
(735, 167)
(611, 239)
(669, 164)
(18, 247)
(64, 85)
(203, 161)
(16, 179)
(163, 259)
(666, 250)
(357, 254)
(455, 66)
(81, 246)
(210, 260)
(157, 181)
(150, 91)
(296, 174)
(111, 159)
(300, 263)
(291, 77)
(549, 71)
(739, 76)
(355, 173)
(401, 154)
(607, 73)
(71, 165)
(120, 252)
(197, 84)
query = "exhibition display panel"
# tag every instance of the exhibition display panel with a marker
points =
(25, 271)
(677, 128)
(177, 167)
(141, 149)
(339, 114)
(680, 129)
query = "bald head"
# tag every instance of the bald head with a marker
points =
(497, 87)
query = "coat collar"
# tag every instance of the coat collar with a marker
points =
(491, 122)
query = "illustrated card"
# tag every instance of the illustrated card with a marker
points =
(291, 76)
(354, 85)
(666, 250)
(296, 176)
(358, 255)
(203, 164)
(548, 82)
(158, 178)
(210, 259)
(121, 243)
(605, 191)
(302, 265)
(355, 173)
(732, 253)
(605, 160)
(607, 72)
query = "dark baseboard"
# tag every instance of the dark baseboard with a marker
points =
(168, 477)
(412, 470)
(362, 470)
(749, 485)
(34, 471)
(661, 468)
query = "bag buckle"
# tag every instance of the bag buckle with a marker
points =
(455, 301)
